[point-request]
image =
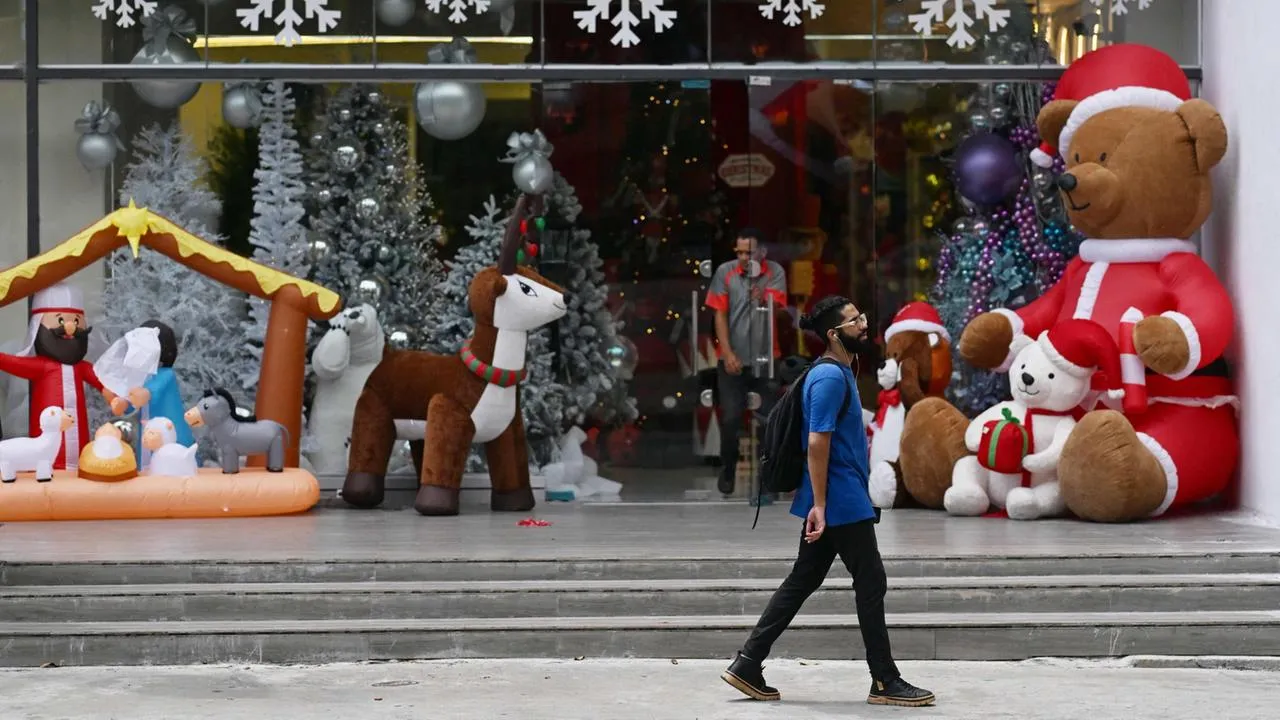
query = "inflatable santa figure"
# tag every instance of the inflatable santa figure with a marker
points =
(53, 360)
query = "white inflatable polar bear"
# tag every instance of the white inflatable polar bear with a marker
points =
(1051, 380)
(577, 472)
(342, 361)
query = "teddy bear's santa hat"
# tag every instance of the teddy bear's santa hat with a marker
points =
(1115, 76)
(1080, 347)
(918, 316)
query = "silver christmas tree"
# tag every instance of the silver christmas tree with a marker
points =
(449, 322)
(372, 240)
(167, 177)
(593, 384)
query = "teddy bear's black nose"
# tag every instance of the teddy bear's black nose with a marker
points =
(1027, 380)
(1067, 181)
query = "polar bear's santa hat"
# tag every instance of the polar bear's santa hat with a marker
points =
(1115, 76)
(1080, 347)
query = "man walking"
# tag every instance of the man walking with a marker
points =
(739, 289)
(839, 518)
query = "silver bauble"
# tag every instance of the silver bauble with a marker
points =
(96, 151)
(167, 94)
(371, 290)
(373, 253)
(980, 121)
(374, 97)
(126, 430)
(1002, 90)
(317, 250)
(391, 170)
(324, 195)
(347, 157)
(367, 209)
(344, 115)
(448, 109)
(999, 115)
(1043, 180)
(379, 128)
(1019, 48)
(317, 139)
(388, 259)
(533, 174)
(398, 338)
(394, 13)
(240, 107)
(963, 226)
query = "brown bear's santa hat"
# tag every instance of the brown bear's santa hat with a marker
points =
(917, 316)
(1080, 347)
(1115, 76)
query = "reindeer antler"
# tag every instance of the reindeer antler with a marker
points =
(512, 238)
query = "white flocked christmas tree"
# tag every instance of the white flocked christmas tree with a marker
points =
(167, 177)
(593, 386)
(371, 239)
(449, 323)
(276, 231)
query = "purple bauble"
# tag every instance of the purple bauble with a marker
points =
(987, 169)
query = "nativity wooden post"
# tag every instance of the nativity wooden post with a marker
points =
(284, 360)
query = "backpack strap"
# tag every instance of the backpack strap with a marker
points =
(848, 396)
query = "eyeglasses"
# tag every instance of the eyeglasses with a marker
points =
(860, 320)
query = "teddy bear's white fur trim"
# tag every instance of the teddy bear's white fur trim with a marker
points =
(1133, 250)
(1170, 471)
(1058, 358)
(1193, 344)
(923, 326)
(1130, 96)
(1016, 323)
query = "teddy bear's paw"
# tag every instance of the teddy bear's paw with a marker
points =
(1021, 504)
(968, 500)
(883, 485)
(1106, 474)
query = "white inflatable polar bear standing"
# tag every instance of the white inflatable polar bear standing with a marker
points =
(577, 472)
(1052, 379)
(342, 361)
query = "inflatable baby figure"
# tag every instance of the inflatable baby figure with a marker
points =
(109, 458)
(168, 456)
(36, 453)
(1017, 443)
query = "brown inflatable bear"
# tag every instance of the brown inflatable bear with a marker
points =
(917, 364)
(1138, 153)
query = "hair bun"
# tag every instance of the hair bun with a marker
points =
(806, 322)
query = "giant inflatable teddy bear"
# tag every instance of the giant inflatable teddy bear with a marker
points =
(1138, 152)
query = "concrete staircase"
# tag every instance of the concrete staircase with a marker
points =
(975, 608)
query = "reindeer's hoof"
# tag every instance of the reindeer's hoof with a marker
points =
(48, 479)
(436, 501)
(512, 500)
(278, 469)
(363, 490)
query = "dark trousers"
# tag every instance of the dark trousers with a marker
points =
(855, 543)
(732, 391)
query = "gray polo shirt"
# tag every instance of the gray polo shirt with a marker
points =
(735, 292)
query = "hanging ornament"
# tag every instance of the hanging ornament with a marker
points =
(324, 196)
(98, 143)
(999, 115)
(987, 168)
(623, 356)
(167, 37)
(317, 250)
(344, 115)
(347, 156)
(391, 170)
(1002, 90)
(371, 290)
(317, 139)
(379, 129)
(374, 97)
(241, 105)
(395, 13)
(398, 338)
(388, 259)
(367, 209)
(529, 155)
(448, 109)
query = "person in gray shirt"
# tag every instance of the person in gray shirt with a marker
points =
(738, 288)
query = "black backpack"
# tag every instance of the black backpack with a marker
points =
(782, 454)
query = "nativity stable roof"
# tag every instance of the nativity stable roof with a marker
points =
(135, 227)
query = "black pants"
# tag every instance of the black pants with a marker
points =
(732, 390)
(855, 543)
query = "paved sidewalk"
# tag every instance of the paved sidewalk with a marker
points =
(629, 690)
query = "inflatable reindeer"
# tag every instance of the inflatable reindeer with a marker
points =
(470, 397)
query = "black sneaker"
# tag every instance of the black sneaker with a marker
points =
(725, 483)
(899, 692)
(747, 676)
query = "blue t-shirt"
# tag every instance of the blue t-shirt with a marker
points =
(848, 500)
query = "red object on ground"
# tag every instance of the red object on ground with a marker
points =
(533, 522)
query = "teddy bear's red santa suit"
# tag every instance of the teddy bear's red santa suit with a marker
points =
(1190, 424)
(54, 383)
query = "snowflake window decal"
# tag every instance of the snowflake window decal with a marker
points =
(289, 20)
(1120, 7)
(625, 19)
(935, 11)
(124, 10)
(792, 10)
(458, 8)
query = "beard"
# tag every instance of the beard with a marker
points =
(66, 350)
(859, 344)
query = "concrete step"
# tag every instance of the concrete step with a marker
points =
(577, 598)
(916, 636)
(569, 568)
